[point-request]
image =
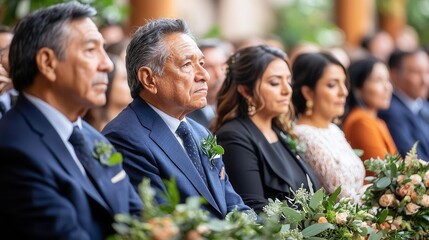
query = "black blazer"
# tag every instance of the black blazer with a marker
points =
(256, 171)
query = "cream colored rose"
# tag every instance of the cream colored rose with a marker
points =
(396, 225)
(387, 200)
(404, 190)
(415, 179)
(426, 176)
(411, 208)
(425, 201)
(341, 218)
(401, 178)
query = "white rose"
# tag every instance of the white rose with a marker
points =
(425, 201)
(415, 179)
(341, 218)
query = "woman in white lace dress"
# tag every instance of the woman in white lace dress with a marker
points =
(319, 95)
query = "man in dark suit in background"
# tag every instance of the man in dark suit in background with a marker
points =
(51, 185)
(168, 81)
(408, 115)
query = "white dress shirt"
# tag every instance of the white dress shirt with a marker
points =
(61, 124)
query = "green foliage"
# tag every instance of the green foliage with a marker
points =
(108, 10)
(211, 149)
(106, 153)
(300, 220)
(399, 195)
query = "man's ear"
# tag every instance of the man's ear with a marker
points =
(47, 62)
(307, 93)
(147, 79)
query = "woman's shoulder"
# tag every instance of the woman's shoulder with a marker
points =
(235, 126)
(358, 115)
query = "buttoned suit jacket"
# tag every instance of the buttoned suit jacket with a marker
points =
(256, 171)
(407, 128)
(44, 195)
(152, 151)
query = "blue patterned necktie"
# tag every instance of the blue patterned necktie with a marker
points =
(191, 148)
(83, 153)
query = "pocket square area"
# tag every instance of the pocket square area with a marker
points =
(118, 177)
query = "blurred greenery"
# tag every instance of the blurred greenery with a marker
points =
(297, 20)
(307, 21)
(418, 17)
(109, 11)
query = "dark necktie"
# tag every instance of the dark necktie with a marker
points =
(191, 148)
(2, 109)
(83, 152)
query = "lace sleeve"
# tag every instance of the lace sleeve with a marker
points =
(334, 162)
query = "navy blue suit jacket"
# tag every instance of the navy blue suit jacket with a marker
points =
(151, 150)
(406, 128)
(43, 193)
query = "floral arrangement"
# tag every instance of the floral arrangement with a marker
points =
(319, 216)
(309, 216)
(399, 195)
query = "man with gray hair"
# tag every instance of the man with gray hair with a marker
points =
(56, 181)
(167, 79)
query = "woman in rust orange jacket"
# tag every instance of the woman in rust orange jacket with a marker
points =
(370, 92)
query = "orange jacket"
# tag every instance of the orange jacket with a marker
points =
(369, 133)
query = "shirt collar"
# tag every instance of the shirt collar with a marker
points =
(172, 123)
(60, 123)
(413, 105)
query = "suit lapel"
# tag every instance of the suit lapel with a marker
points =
(212, 172)
(54, 143)
(164, 138)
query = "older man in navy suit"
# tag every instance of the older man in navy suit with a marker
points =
(168, 81)
(52, 185)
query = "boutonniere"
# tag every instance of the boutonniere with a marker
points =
(211, 149)
(106, 153)
(293, 144)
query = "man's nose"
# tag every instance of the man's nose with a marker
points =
(106, 64)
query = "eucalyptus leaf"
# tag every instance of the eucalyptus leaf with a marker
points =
(317, 198)
(292, 214)
(383, 182)
(315, 229)
(376, 236)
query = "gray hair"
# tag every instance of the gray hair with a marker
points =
(148, 48)
(43, 28)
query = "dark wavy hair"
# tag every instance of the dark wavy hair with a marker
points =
(307, 70)
(246, 68)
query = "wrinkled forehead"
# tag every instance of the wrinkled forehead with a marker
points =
(182, 46)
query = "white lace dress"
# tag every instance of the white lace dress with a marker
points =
(333, 160)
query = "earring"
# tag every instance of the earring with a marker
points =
(309, 108)
(251, 109)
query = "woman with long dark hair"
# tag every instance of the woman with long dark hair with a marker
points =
(254, 125)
